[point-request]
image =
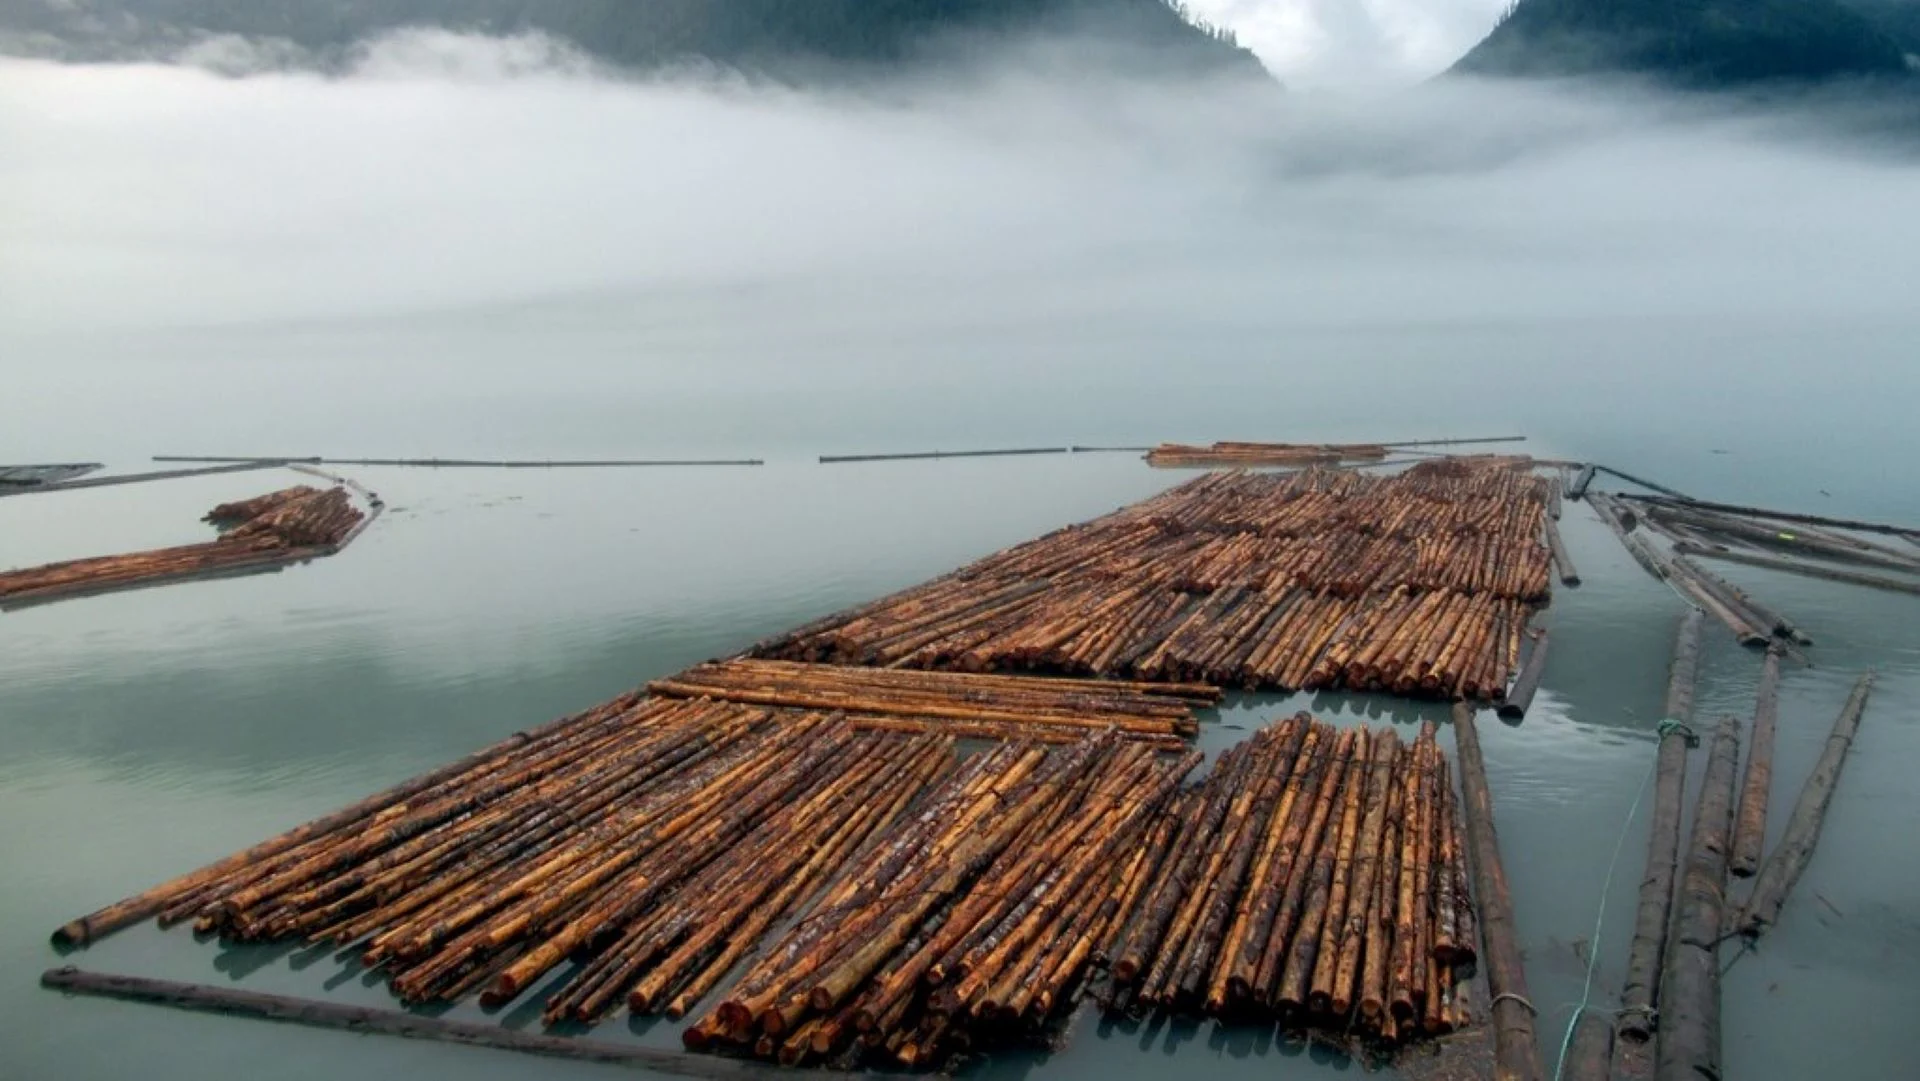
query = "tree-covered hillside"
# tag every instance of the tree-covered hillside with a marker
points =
(1697, 43)
(636, 33)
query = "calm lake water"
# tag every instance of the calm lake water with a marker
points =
(438, 259)
(149, 732)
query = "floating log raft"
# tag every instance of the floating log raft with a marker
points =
(1316, 875)
(1417, 584)
(658, 836)
(288, 526)
(1795, 850)
(28, 476)
(1075, 707)
(1231, 455)
(235, 466)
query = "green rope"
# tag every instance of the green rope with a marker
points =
(1599, 918)
(1669, 726)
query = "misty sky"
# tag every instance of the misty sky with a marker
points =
(1346, 42)
(503, 219)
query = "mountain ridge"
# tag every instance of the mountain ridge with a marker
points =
(767, 36)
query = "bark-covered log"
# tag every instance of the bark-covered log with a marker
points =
(1517, 1054)
(1689, 1035)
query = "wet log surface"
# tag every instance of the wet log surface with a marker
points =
(1640, 995)
(292, 525)
(1419, 584)
(1688, 1047)
(1750, 829)
(1516, 1051)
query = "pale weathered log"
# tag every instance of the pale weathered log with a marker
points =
(1795, 850)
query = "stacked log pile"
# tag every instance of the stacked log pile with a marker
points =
(1229, 454)
(991, 707)
(971, 923)
(1417, 584)
(287, 526)
(1315, 875)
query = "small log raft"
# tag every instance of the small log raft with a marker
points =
(1080, 707)
(1689, 1045)
(1750, 831)
(236, 466)
(27, 476)
(1640, 995)
(1417, 584)
(1223, 455)
(1516, 1052)
(1795, 850)
(292, 525)
(659, 838)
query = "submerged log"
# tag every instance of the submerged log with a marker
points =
(1750, 832)
(1641, 993)
(1517, 1053)
(1689, 1045)
(234, 1002)
(1795, 850)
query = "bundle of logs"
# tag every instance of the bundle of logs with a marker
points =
(1316, 875)
(288, 526)
(970, 924)
(1417, 584)
(957, 704)
(899, 903)
(662, 837)
(1228, 454)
